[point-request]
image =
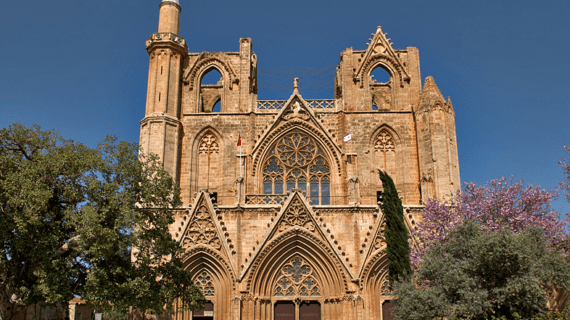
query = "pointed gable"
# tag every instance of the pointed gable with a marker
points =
(203, 230)
(295, 114)
(380, 49)
(296, 215)
(374, 247)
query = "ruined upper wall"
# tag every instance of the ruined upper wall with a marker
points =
(237, 90)
(360, 92)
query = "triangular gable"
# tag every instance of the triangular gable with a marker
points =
(295, 112)
(203, 229)
(296, 213)
(378, 243)
(380, 46)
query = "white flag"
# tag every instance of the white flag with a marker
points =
(348, 136)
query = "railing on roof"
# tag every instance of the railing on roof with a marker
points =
(265, 198)
(279, 104)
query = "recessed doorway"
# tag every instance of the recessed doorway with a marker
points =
(204, 314)
(284, 310)
(310, 310)
(307, 310)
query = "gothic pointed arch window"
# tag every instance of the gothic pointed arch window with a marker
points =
(296, 279)
(297, 161)
(211, 90)
(204, 282)
(381, 88)
(209, 169)
(385, 152)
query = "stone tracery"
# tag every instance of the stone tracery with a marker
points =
(201, 230)
(296, 279)
(296, 161)
(297, 215)
(204, 282)
(385, 152)
(209, 144)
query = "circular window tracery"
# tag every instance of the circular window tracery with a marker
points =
(296, 279)
(296, 161)
(204, 282)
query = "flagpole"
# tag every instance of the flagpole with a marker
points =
(240, 165)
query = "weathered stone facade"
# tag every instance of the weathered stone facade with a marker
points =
(289, 220)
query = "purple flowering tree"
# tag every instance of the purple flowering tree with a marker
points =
(496, 205)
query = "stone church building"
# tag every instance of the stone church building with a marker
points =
(280, 216)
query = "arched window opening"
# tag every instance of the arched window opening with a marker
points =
(380, 75)
(380, 89)
(211, 89)
(212, 77)
(218, 106)
(296, 161)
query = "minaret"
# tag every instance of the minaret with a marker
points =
(437, 143)
(161, 127)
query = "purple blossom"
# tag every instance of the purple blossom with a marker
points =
(498, 204)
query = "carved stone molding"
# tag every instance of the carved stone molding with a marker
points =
(201, 230)
(296, 215)
(305, 236)
(206, 60)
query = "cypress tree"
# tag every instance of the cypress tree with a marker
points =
(395, 232)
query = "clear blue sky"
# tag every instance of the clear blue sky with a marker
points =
(80, 67)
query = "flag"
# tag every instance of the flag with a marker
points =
(239, 140)
(348, 136)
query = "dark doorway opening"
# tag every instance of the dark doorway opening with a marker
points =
(310, 310)
(204, 314)
(387, 310)
(284, 310)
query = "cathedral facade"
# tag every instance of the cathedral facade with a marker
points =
(280, 216)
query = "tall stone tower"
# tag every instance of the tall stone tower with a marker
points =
(280, 216)
(161, 127)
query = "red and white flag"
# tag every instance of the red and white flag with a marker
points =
(239, 139)
(347, 137)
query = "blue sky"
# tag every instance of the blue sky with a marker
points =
(80, 67)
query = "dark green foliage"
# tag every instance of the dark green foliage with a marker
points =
(481, 274)
(70, 216)
(396, 232)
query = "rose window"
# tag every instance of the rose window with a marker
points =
(296, 161)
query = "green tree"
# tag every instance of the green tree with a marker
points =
(70, 217)
(480, 274)
(396, 232)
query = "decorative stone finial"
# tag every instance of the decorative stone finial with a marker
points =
(296, 85)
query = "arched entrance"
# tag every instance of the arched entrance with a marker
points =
(297, 310)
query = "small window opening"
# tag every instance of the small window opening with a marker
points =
(160, 69)
(217, 106)
(378, 196)
(214, 197)
(159, 96)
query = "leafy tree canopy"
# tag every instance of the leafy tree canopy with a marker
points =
(72, 220)
(481, 274)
